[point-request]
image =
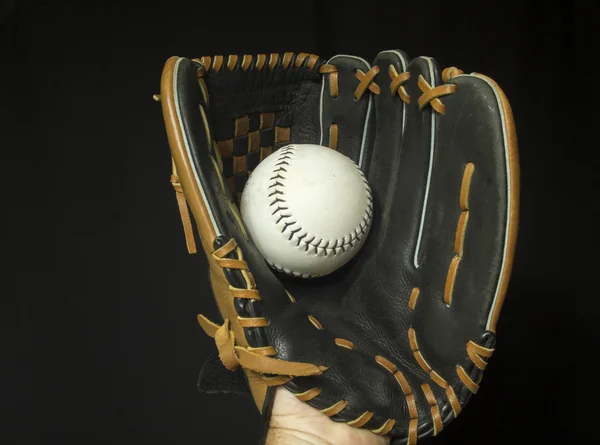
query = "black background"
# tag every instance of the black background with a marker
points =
(107, 292)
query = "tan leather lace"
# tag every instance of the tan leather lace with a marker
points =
(183, 211)
(257, 359)
(450, 73)
(431, 95)
(397, 84)
(367, 81)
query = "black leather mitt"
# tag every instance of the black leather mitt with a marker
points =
(395, 341)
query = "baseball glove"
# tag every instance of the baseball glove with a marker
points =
(395, 341)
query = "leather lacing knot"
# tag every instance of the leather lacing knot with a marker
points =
(431, 94)
(366, 81)
(257, 359)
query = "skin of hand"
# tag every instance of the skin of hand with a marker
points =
(296, 423)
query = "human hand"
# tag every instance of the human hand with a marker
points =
(296, 423)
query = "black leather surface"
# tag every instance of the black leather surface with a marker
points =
(366, 302)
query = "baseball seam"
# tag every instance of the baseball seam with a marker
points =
(311, 243)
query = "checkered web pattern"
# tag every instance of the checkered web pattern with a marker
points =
(256, 136)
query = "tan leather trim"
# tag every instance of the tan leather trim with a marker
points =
(397, 83)
(333, 79)
(259, 322)
(344, 343)
(217, 63)
(270, 365)
(465, 186)
(205, 62)
(273, 58)
(231, 263)
(250, 294)
(231, 61)
(188, 230)
(182, 163)
(225, 342)
(334, 90)
(300, 58)
(449, 288)
(335, 409)
(209, 327)
(464, 377)
(225, 301)
(431, 94)
(194, 197)
(258, 387)
(402, 382)
(260, 61)
(385, 428)
(422, 362)
(414, 345)
(438, 379)
(316, 323)
(412, 301)
(475, 353)
(406, 389)
(367, 81)
(480, 350)
(461, 229)
(437, 420)
(246, 61)
(412, 432)
(312, 61)
(287, 58)
(513, 217)
(435, 411)
(450, 72)
(456, 407)
(248, 278)
(386, 364)
(412, 339)
(263, 350)
(412, 406)
(428, 394)
(308, 395)
(478, 361)
(362, 420)
(333, 136)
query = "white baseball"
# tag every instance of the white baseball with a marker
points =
(308, 209)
